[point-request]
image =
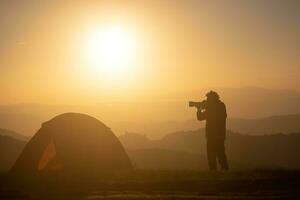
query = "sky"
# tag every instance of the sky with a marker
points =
(178, 46)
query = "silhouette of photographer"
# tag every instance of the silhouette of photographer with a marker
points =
(213, 110)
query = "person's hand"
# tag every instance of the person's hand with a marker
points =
(199, 108)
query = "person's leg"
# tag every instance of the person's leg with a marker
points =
(222, 158)
(211, 155)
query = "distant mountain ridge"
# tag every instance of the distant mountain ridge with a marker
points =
(275, 151)
(13, 134)
(187, 150)
(10, 149)
(168, 112)
(268, 125)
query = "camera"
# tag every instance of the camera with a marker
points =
(199, 105)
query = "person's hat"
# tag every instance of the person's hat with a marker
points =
(212, 95)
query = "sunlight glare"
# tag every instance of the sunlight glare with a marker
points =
(111, 50)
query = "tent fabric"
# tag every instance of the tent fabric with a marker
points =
(48, 155)
(73, 142)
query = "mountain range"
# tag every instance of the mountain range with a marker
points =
(186, 150)
(13, 134)
(276, 151)
(247, 108)
(10, 149)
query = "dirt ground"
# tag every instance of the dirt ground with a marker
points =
(260, 184)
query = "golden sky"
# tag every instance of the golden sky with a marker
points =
(179, 45)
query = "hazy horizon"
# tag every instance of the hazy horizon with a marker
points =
(159, 115)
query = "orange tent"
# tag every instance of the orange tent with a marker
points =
(72, 142)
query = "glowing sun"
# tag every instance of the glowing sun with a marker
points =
(111, 50)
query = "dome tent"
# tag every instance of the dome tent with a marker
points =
(72, 142)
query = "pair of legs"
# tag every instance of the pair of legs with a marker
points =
(216, 151)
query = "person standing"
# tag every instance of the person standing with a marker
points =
(213, 110)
